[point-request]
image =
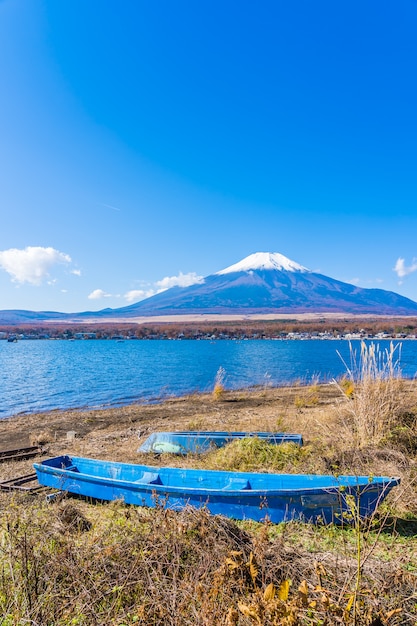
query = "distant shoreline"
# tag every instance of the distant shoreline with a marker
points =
(242, 317)
(249, 326)
(193, 318)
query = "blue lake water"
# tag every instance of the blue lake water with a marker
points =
(44, 374)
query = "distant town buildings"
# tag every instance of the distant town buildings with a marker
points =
(198, 335)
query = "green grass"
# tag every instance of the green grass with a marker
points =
(253, 454)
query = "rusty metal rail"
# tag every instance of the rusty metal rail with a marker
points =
(20, 454)
(26, 483)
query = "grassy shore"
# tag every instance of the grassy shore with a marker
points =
(72, 562)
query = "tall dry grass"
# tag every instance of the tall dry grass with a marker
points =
(373, 392)
(219, 388)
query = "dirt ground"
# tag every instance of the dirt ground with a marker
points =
(116, 433)
(317, 412)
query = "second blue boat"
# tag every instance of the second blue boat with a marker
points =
(198, 442)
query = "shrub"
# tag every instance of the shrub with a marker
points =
(218, 391)
(372, 388)
(253, 454)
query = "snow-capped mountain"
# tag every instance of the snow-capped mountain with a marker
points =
(267, 282)
(264, 261)
(261, 283)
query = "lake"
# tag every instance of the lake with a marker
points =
(42, 375)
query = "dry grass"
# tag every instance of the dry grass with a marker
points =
(255, 455)
(374, 395)
(219, 388)
(74, 562)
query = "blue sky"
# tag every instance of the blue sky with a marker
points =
(148, 143)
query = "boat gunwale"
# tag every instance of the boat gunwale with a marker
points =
(226, 433)
(377, 484)
(200, 442)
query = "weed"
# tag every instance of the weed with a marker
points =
(347, 386)
(373, 390)
(309, 396)
(219, 388)
(74, 563)
(254, 454)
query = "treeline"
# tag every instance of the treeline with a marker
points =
(220, 329)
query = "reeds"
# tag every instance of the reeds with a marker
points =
(372, 388)
(219, 388)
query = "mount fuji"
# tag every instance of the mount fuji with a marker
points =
(267, 282)
(262, 283)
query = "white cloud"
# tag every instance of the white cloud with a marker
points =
(139, 294)
(76, 272)
(401, 270)
(182, 280)
(31, 264)
(97, 294)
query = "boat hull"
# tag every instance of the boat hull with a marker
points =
(239, 495)
(198, 442)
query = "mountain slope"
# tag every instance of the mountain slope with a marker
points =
(259, 284)
(271, 283)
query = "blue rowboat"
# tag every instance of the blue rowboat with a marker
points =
(183, 442)
(239, 495)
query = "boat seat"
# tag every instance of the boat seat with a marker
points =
(150, 478)
(72, 468)
(238, 484)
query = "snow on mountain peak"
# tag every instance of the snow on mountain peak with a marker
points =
(264, 261)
